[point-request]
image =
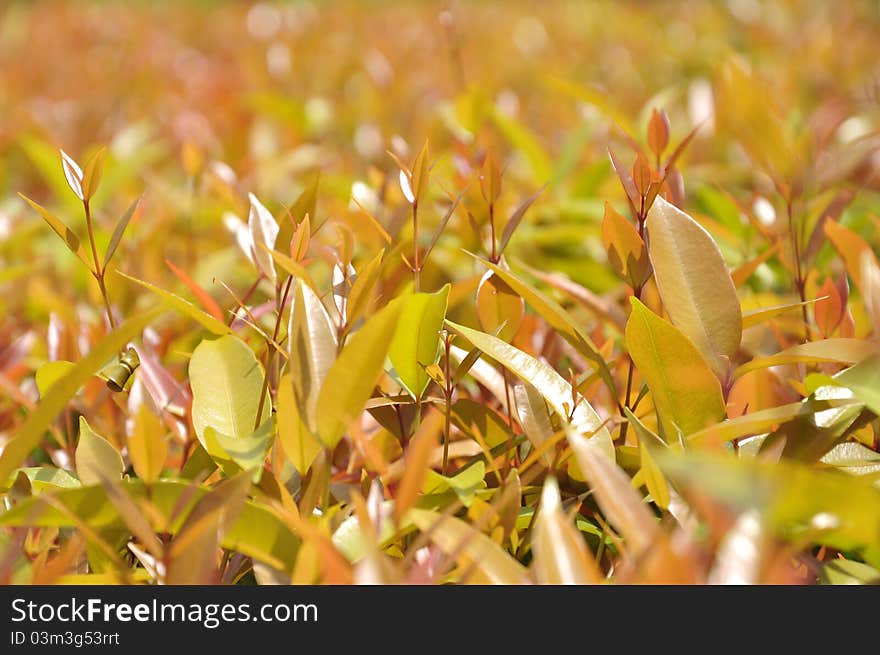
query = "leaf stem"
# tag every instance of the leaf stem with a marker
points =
(417, 267)
(98, 272)
(270, 351)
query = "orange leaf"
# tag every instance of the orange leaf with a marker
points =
(208, 303)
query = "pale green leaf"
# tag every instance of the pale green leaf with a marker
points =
(96, 458)
(416, 339)
(226, 381)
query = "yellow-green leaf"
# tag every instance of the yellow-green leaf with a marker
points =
(49, 373)
(92, 173)
(694, 283)
(147, 447)
(258, 531)
(839, 510)
(299, 443)
(226, 381)
(351, 378)
(686, 393)
(500, 310)
(361, 290)
(96, 458)
(67, 235)
(416, 338)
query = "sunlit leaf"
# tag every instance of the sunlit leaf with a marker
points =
(694, 282)
(226, 381)
(92, 173)
(626, 249)
(557, 317)
(469, 547)
(73, 174)
(183, 306)
(119, 231)
(147, 447)
(500, 310)
(96, 458)
(556, 391)
(561, 555)
(846, 351)
(613, 492)
(839, 510)
(49, 373)
(686, 392)
(351, 378)
(417, 337)
(264, 230)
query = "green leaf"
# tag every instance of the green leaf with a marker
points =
(838, 510)
(555, 390)
(416, 339)
(246, 453)
(67, 235)
(30, 433)
(44, 477)
(559, 319)
(694, 283)
(847, 572)
(226, 381)
(863, 380)
(686, 393)
(847, 351)
(258, 531)
(183, 306)
(464, 484)
(469, 548)
(654, 480)
(351, 378)
(96, 459)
